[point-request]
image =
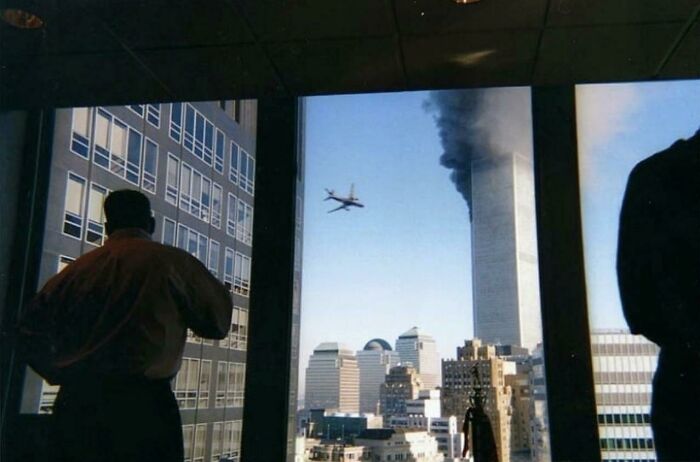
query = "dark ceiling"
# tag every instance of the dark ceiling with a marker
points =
(118, 51)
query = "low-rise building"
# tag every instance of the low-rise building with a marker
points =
(399, 445)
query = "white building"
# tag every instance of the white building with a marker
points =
(400, 445)
(374, 362)
(444, 429)
(623, 368)
(505, 276)
(420, 351)
(427, 404)
(332, 379)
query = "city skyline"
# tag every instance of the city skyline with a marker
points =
(405, 258)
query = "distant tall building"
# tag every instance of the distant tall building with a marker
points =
(375, 360)
(623, 368)
(333, 379)
(460, 381)
(401, 385)
(420, 351)
(505, 277)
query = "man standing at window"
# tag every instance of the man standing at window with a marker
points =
(658, 267)
(110, 329)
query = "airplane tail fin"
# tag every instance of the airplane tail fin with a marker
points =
(330, 193)
(352, 192)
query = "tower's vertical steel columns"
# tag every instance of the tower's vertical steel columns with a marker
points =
(567, 351)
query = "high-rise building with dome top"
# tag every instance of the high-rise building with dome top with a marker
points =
(332, 379)
(420, 351)
(374, 360)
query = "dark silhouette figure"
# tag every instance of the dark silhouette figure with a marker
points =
(110, 329)
(477, 427)
(658, 265)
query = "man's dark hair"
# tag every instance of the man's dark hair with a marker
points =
(126, 208)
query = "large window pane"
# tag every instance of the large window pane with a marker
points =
(421, 285)
(189, 211)
(620, 126)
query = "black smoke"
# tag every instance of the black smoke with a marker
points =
(484, 123)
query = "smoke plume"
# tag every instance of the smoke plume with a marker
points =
(484, 123)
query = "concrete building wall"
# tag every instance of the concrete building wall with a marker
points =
(374, 366)
(420, 351)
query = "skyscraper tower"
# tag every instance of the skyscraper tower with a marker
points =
(505, 278)
(333, 379)
(375, 361)
(421, 352)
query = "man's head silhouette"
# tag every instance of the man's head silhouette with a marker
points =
(128, 209)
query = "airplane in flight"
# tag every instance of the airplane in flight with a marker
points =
(345, 202)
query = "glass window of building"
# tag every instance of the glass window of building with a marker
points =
(233, 163)
(80, 143)
(95, 233)
(150, 166)
(175, 131)
(74, 206)
(216, 201)
(133, 160)
(168, 231)
(619, 126)
(231, 216)
(153, 114)
(219, 152)
(118, 148)
(171, 179)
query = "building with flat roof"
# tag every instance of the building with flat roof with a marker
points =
(623, 371)
(401, 385)
(333, 379)
(400, 444)
(196, 164)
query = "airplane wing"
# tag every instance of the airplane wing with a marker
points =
(338, 208)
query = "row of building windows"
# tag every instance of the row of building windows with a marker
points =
(116, 147)
(237, 338)
(624, 349)
(632, 377)
(628, 398)
(624, 419)
(628, 444)
(206, 142)
(196, 194)
(83, 210)
(226, 441)
(193, 381)
(123, 151)
(152, 112)
(236, 275)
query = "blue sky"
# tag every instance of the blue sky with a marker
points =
(404, 259)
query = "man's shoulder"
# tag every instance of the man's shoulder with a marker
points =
(681, 155)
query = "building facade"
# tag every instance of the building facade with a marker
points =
(505, 277)
(401, 385)
(478, 367)
(375, 360)
(420, 351)
(623, 369)
(399, 445)
(333, 379)
(196, 164)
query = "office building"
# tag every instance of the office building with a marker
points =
(375, 360)
(477, 368)
(333, 379)
(196, 164)
(623, 368)
(401, 385)
(539, 423)
(419, 350)
(343, 426)
(505, 276)
(424, 414)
